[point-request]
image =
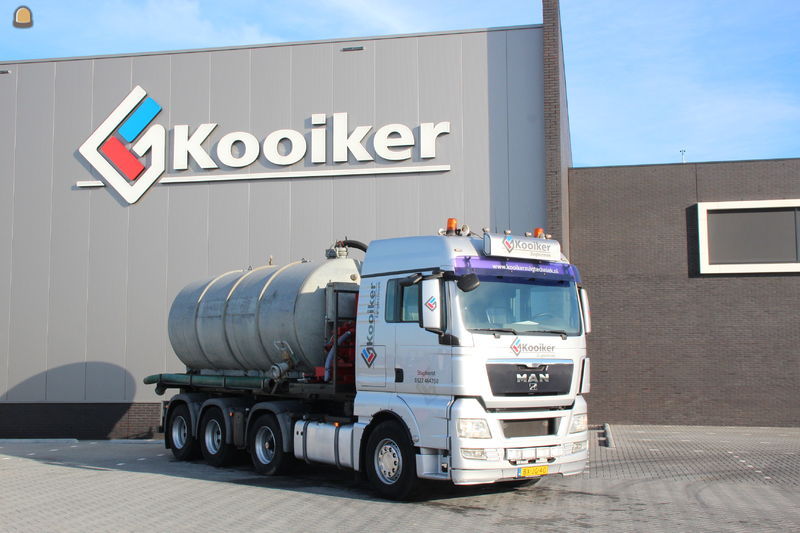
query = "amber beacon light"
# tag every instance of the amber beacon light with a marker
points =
(23, 17)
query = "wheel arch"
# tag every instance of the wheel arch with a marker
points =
(377, 419)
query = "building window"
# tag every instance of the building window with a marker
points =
(749, 237)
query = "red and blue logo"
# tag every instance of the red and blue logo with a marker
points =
(516, 346)
(431, 303)
(508, 242)
(369, 355)
(116, 147)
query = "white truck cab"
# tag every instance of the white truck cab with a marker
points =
(488, 378)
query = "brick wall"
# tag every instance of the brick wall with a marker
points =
(671, 346)
(556, 125)
(80, 420)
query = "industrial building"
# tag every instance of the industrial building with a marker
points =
(271, 153)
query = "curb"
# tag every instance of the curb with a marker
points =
(39, 441)
(609, 437)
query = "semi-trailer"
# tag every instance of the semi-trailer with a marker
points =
(457, 357)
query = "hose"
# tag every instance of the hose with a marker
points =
(358, 245)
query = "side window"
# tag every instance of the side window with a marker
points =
(402, 303)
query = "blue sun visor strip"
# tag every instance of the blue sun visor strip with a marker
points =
(139, 120)
(517, 269)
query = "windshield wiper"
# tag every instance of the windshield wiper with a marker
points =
(552, 331)
(496, 330)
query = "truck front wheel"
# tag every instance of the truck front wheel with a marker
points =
(213, 435)
(179, 427)
(390, 461)
(265, 441)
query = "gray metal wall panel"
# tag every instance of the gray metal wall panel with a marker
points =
(354, 92)
(528, 208)
(498, 111)
(229, 202)
(475, 130)
(148, 249)
(30, 247)
(69, 246)
(397, 100)
(108, 257)
(270, 200)
(441, 195)
(312, 209)
(8, 103)
(187, 255)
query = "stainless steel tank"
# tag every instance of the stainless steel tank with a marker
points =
(252, 319)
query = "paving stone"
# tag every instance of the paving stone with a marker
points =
(656, 478)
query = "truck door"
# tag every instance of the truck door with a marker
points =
(420, 362)
(373, 337)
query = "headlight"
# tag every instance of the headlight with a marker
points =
(473, 428)
(579, 423)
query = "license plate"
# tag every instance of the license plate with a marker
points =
(532, 471)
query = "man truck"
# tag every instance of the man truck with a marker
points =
(456, 357)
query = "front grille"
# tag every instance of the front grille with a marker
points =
(536, 427)
(547, 379)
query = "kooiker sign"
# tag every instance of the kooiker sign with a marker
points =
(122, 169)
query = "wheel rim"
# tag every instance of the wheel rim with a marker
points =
(180, 432)
(388, 461)
(265, 445)
(213, 437)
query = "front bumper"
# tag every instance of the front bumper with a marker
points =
(562, 452)
(492, 472)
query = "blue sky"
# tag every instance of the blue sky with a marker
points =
(645, 78)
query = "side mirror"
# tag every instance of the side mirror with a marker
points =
(431, 305)
(587, 315)
(468, 282)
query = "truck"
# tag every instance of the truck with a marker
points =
(458, 357)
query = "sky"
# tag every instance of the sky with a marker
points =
(646, 79)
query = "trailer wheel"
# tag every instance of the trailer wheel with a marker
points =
(390, 462)
(265, 442)
(212, 437)
(179, 432)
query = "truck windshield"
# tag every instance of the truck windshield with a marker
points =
(520, 306)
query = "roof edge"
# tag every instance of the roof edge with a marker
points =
(271, 45)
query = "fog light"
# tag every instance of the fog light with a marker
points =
(484, 454)
(579, 446)
(580, 422)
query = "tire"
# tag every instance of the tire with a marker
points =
(212, 436)
(390, 461)
(265, 442)
(179, 432)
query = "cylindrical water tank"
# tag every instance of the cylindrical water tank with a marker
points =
(245, 319)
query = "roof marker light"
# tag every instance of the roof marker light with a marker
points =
(452, 225)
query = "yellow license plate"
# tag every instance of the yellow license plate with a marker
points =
(532, 471)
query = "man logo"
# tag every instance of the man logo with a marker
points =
(109, 156)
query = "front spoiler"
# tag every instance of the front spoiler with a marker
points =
(570, 467)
